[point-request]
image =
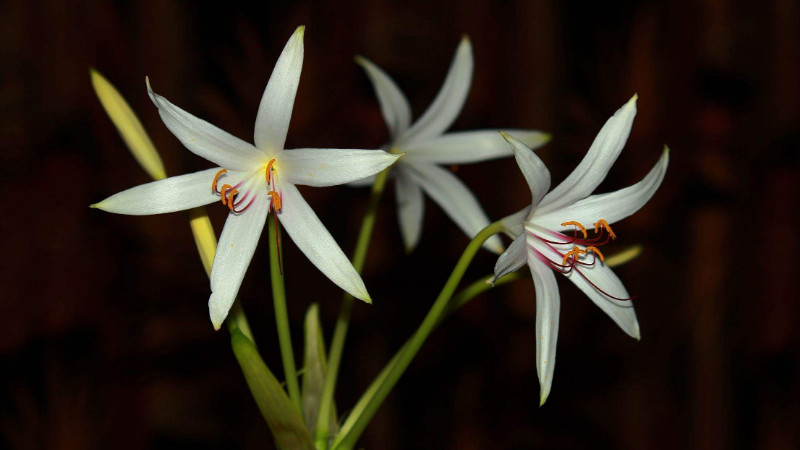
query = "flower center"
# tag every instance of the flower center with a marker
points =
(230, 193)
(578, 257)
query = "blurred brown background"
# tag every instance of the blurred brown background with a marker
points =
(106, 340)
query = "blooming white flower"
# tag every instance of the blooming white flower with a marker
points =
(252, 180)
(425, 146)
(541, 242)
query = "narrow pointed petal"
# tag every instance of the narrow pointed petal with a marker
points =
(129, 126)
(513, 225)
(394, 105)
(205, 140)
(512, 259)
(548, 309)
(445, 108)
(163, 196)
(598, 160)
(364, 182)
(455, 199)
(234, 252)
(275, 111)
(314, 240)
(613, 206)
(331, 166)
(470, 146)
(591, 280)
(534, 170)
(410, 208)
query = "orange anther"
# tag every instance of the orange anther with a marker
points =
(603, 224)
(269, 169)
(574, 253)
(216, 179)
(225, 188)
(276, 200)
(576, 224)
(596, 252)
(231, 194)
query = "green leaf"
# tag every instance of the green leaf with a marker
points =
(282, 416)
(315, 367)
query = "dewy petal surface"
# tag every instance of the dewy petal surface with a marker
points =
(455, 199)
(445, 108)
(548, 309)
(314, 240)
(605, 279)
(533, 169)
(204, 139)
(470, 146)
(394, 105)
(234, 252)
(275, 110)
(163, 196)
(332, 166)
(598, 161)
(613, 206)
(410, 208)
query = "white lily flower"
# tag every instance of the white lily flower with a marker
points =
(549, 235)
(252, 180)
(425, 146)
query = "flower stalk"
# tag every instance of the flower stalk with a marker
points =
(343, 320)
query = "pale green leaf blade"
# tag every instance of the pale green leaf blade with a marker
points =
(315, 362)
(282, 416)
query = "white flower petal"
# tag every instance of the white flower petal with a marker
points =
(598, 161)
(394, 105)
(548, 309)
(314, 240)
(163, 196)
(613, 206)
(591, 280)
(410, 208)
(512, 259)
(455, 199)
(445, 108)
(513, 224)
(234, 252)
(534, 170)
(204, 139)
(364, 182)
(470, 146)
(331, 166)
(275, 111)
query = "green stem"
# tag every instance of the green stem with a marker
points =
(343, 320)
(281, 315)
(376, 393)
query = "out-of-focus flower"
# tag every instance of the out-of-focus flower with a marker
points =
(543, 240)
(252, 180)
(425, 146)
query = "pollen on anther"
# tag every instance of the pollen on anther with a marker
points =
(269, 169)
(574, 253)
(216, 179)
(276, 200)
(603, 224)
(578, 225)
(223, 191)
(596, 252)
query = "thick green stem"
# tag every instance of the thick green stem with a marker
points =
(281, 314)
(343, 320)
(372, 399)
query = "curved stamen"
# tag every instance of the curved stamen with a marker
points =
(276, 200)
(597, 252)
(578, 226)
(231, 195)
(574, 253)
(603, 224)
(269, 170)
(223, 191)
(216, 179)
(237, 211)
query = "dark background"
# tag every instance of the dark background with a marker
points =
(106, 340)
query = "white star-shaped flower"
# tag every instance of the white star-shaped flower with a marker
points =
(549, 235)
(252, 180)
(426, 146)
